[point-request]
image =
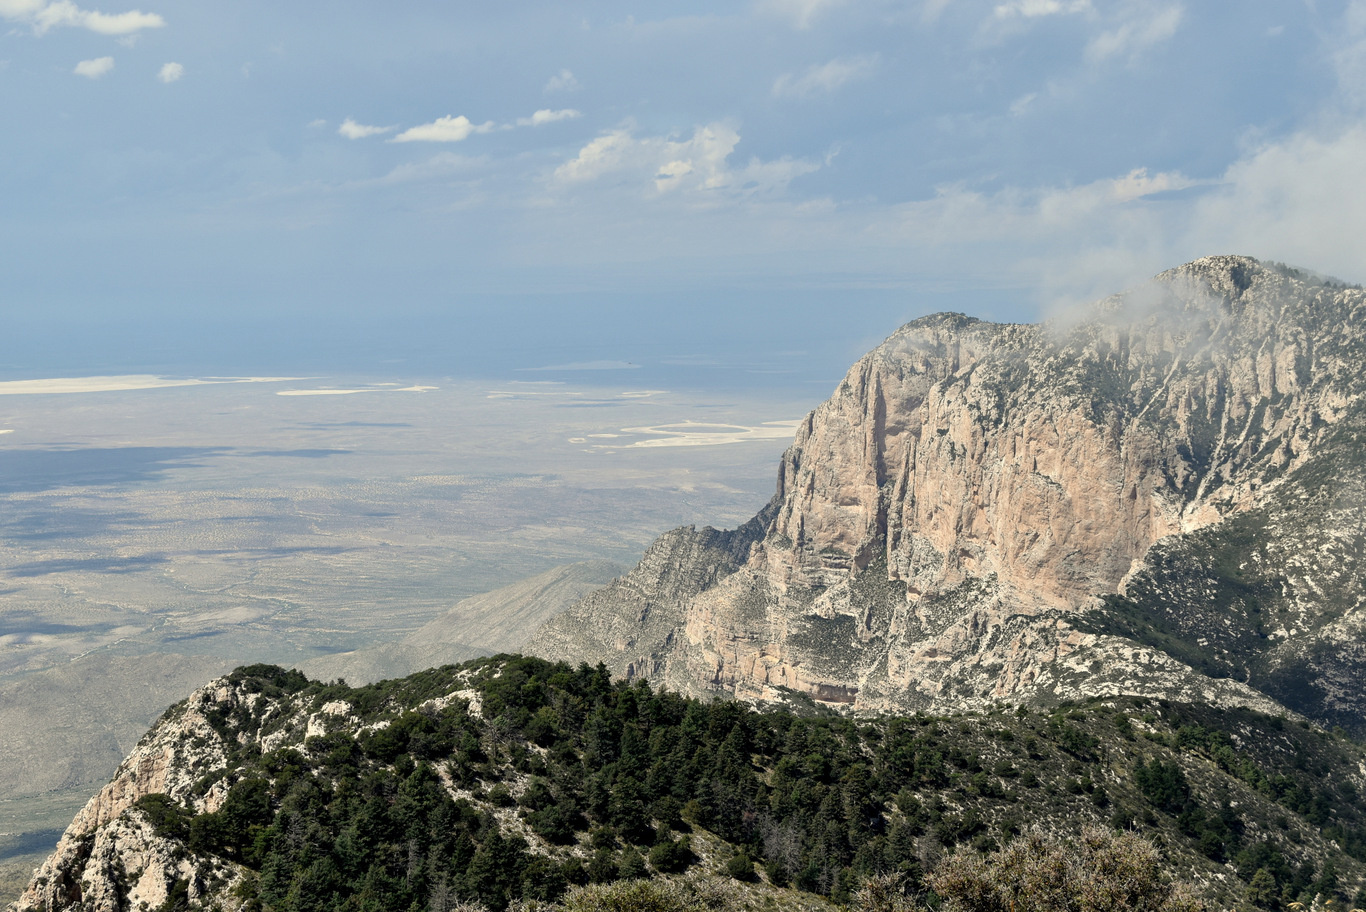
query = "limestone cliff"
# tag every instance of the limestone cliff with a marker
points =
(111, 858)
(963, 519)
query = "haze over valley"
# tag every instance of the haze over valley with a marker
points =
(155, 532)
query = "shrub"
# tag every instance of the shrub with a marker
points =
(651, 896)
(883, 893)
(740, 866)
(672, 856)
(167, 817)
(632, 865)
(1101, 872)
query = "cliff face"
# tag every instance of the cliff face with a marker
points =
(111, 858)
(955, 524)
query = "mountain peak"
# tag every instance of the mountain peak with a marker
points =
(968, 519)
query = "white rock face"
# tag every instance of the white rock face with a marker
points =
(110, 858)
(971, 488)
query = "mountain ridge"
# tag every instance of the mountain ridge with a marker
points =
(512, 779)
(949, 525)
(484, 624)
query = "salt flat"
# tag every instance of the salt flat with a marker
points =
(116, 383)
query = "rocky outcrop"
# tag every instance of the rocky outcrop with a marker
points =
(110, 858)
(949, 525)
(638, 613)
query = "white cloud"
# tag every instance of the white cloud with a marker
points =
(800, 12)
(352, 130)
(1033, 9)
(825, 78)
(19, 9)
(42, 16)
(317, 123)
(1116, 30)
(545, 116)
(930, 10)
(609, 152)
(1300, 200)
(444, 129)
(94, 69)
(563, 81)
(1138, 183)
(958, 214)
(170, 72)
(698, 164)
(1142, 31)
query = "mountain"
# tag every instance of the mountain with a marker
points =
(492, 622)
(514, 779)
(64, 730)
(1160, 495)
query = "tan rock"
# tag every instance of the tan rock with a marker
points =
(971, 488)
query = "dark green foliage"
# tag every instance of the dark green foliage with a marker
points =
(177, 897)
(740, 866)
(632, 865)
(603, 867)
(1165, 785)
(362, 817)
(169, 819)
(271, 680)
(672, 856)
(1261, 890)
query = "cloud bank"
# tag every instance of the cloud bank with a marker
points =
(801, 13)
(1034, 9)
(546, 116)
(43, 16)
(698, 164)
(563, 81)
(825, 78)
(1142, 31)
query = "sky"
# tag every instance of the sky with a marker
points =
(754, 191)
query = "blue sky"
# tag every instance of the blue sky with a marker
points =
(762, 187)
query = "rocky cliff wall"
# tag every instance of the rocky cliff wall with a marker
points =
(110, 858)
(972, 488)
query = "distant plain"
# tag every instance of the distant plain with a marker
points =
(155, 534)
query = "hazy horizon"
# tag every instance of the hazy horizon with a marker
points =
(724, 194)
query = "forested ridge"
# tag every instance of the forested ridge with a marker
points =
(513, 779)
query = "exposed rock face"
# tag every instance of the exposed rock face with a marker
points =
(119, 855)
(484, 624)
(947, 526)
(110, 858)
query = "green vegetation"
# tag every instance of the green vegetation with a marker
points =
(514, 779)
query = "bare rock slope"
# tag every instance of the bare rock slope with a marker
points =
(111, 857)
(484, 624)
(1161, 496)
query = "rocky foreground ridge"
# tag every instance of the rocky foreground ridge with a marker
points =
(513, 781)
(1162, 495)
